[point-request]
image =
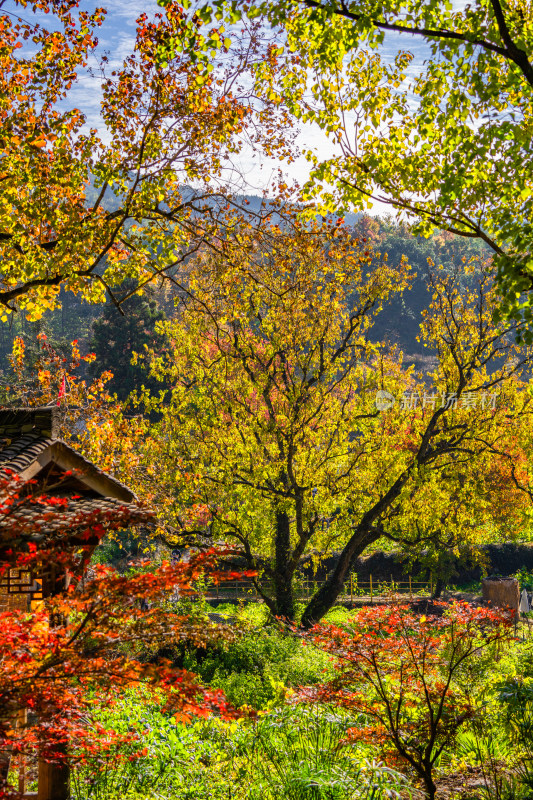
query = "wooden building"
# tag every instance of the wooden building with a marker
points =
(31, 449)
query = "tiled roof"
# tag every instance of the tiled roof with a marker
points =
(20, 453)
(29, 447)
(15, 422)
(86, 465)
(17, 454)
(28, 435)
(61, 529)
(73, 515)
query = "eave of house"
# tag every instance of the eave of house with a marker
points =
(31, 455)
(63, 456)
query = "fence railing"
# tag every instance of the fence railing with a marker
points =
(304, 589)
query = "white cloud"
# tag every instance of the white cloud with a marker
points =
(130, 10)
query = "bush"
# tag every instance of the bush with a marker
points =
(173, 758)
(255, 669)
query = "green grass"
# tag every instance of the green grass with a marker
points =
(289, 753)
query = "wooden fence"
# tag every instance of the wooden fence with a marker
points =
(304, 589)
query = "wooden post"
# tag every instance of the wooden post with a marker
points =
(431, 584)
(351, 589)
(371, 589)
(22, 774)
(21, 723)
(53, 781)
(410, 590)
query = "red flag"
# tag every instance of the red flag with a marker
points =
(62, 389)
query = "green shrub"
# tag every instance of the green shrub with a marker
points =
(516, 698)
(525, 578)
(498, 741)
(252, 669)
(170, 759)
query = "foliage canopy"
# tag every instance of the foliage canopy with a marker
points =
(274, 434)
(88, 209)
(445, 142)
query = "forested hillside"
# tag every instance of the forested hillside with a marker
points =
(96, 326)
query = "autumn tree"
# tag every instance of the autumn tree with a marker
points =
(271, 437)
(412, 676)
(86, 641)
(444, 141)
(269, 372)
(83, 209)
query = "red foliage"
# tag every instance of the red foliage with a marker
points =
(410, 676)
(85, 644)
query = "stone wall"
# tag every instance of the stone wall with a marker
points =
(500, 559)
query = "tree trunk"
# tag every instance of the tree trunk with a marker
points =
(283, 575)
(366, 532)
(326, 596)
(430, 787)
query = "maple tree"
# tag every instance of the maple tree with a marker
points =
(412, 676)
(83, 209)
(270, 436)
(84, 642)
(443, 139)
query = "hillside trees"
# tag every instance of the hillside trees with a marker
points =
(444, 141)
(270, 436)
(115, 338)
(87, 209)
(399, 321)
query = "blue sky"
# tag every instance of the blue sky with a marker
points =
(116, 39)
